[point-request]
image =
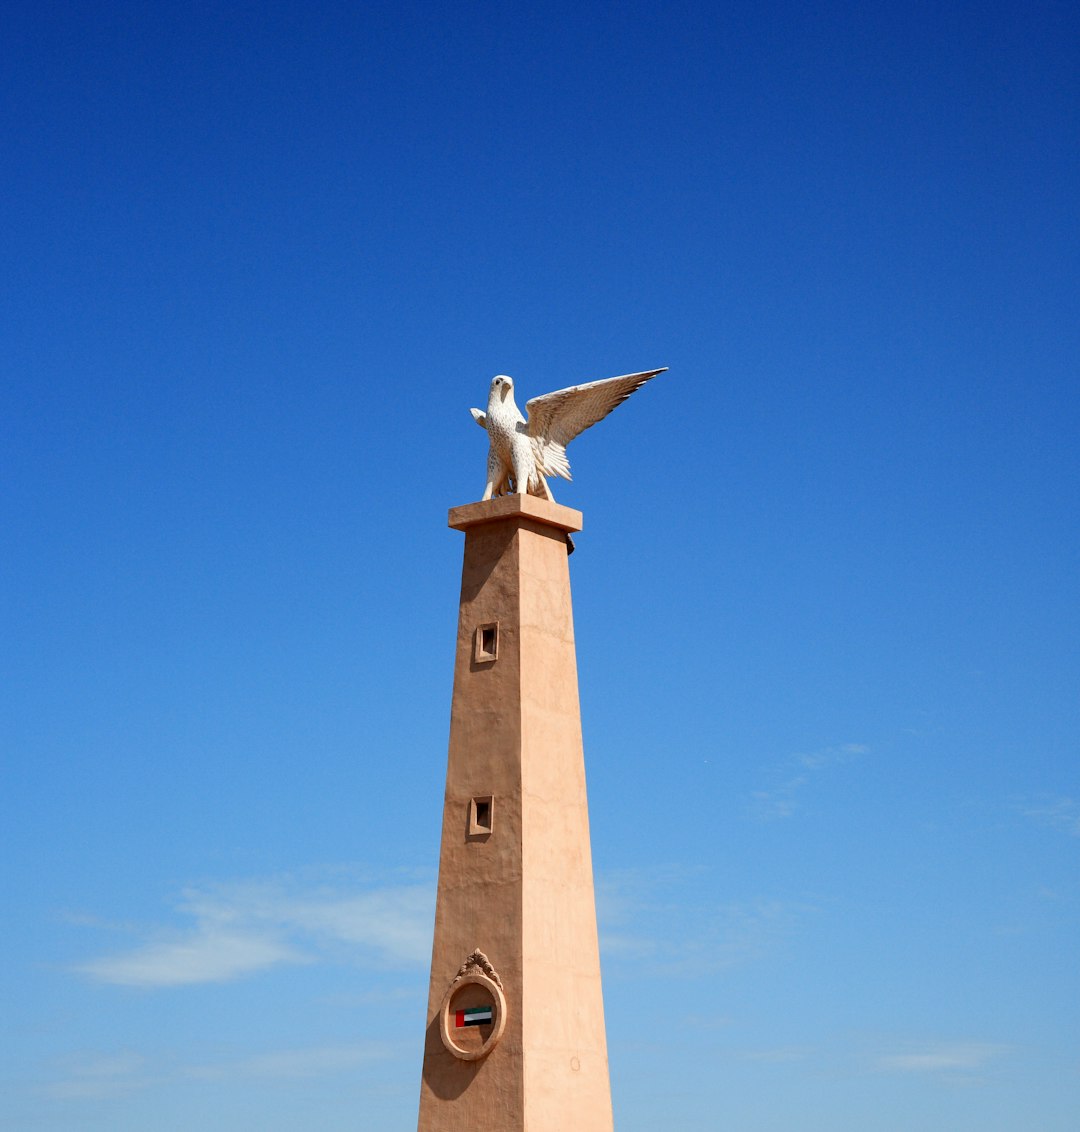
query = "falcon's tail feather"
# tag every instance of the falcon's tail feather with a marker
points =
(550, 457)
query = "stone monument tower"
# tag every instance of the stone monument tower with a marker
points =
(515, 1035)
(515, 1022)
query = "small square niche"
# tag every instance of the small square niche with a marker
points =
(481, 811)
(486, 643)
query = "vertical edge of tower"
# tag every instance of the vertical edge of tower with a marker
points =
(566, 1065)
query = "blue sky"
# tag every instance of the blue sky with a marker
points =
(258, 264)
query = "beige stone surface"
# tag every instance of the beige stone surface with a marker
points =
(522, 894)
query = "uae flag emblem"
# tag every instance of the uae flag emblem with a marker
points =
(473, 1016)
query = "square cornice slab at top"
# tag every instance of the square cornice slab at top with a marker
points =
(515, 506)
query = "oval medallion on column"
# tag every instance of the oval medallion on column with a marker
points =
(473, 1013)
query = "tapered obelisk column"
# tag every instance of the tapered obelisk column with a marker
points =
(515, 1035)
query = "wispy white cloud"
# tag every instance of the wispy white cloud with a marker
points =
(100, 1077)
(1054, 811)
(795, 774)
(656, 918)
(320, 1061)
(115, 1075)
(949, 1058)
(781, 1055)
(207, 955)
(233, 930)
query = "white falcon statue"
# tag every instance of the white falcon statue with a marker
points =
(522, 452)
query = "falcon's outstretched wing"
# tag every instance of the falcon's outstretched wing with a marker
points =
(556, 418)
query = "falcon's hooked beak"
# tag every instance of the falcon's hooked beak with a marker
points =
(505, 384)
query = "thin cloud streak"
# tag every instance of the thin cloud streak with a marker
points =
(653, 917)
(781, 1055)
(942, 1058)
(208, 956)
(1055, 812)
(320, 1061)
(116, 1075)
(245, 928)
(101, 1078)
(795, 774)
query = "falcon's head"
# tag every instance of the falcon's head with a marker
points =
(502, 385)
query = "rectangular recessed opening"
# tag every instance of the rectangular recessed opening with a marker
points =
(486, 643)
(480, 814)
